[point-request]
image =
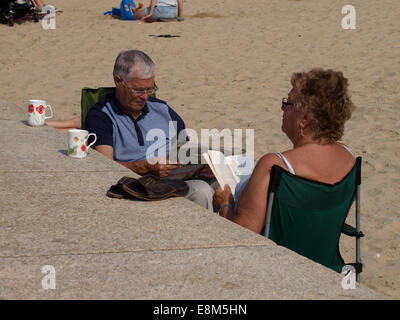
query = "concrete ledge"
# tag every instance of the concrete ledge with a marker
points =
(210, 273)
(54, 212)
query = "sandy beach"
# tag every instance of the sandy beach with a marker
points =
(229, 66)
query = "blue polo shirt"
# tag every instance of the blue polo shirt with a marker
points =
(134, 139)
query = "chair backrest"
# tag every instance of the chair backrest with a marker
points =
(90, 97)
(307, 216)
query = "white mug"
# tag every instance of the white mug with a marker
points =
(78, 142)
(37, 112)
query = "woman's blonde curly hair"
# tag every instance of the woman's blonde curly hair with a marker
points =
(323, 94)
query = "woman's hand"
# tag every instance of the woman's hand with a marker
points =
(222, 197)
(145, 17)
(152, 5)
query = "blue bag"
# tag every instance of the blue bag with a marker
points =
(114, 12)
(127, 7)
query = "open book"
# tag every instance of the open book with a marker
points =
(229, 170)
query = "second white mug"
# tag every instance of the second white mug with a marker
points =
(78, 142)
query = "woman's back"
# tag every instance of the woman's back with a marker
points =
(327, 163)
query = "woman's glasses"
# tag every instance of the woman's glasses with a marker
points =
(286, 103)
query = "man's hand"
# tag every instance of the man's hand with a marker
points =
(206, 172)
(163, 169)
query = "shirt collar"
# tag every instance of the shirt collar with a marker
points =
(121, 109)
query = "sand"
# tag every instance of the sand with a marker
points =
(230, 68)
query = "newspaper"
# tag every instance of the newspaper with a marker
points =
(192, 157)
(186, 171)
(189, 154)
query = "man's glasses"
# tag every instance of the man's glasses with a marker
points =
(286, 103)
(141, 92)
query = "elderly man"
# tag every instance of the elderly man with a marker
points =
(122, 119)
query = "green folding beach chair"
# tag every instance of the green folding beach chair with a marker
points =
(308, 217)
(90, 97)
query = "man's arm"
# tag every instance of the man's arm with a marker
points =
(106, 150)
(141, 167)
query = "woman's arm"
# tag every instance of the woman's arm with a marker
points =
(152, 5)
(180, 8)
(223, 202)
(252, 204)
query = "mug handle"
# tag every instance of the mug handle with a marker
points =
(51, 112)
(95, 139)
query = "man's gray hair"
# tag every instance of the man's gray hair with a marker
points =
(134, 64)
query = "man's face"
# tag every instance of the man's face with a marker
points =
(134, 93)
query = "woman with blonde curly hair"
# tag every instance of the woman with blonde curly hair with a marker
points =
(314, 114)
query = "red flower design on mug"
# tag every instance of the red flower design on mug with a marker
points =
(40, 109)
(31, 108)
(83, 148)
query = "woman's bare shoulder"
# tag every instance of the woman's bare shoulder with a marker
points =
(268, 160)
